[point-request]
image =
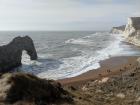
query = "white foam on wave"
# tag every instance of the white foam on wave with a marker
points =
(77, 65)
(79, 41)
(93, 62)
(27, 61)
(73, 66)
(43, 56)
(113, 49)
(84, 40)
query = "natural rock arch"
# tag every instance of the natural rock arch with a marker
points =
(11, 54)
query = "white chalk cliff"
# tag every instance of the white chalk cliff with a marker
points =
(132, 30)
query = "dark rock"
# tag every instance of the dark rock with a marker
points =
(72, 88)
(11, 54)
(132, 74)
(16, 87)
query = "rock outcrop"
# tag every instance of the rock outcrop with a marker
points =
(11, 54)
(20, 87)
(123, 89)
(132, 30)
(118, 30)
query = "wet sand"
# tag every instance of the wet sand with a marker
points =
(109, 67)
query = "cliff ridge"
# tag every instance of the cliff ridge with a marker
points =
(132, 30)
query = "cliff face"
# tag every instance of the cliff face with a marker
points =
(118, 30)
(132, 30)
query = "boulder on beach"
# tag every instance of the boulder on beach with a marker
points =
(20, 87)
(11, 54)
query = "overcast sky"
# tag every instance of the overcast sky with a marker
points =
(66, 14)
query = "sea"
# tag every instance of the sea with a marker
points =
(65, 54)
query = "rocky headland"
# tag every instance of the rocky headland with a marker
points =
(131, 31)
(118, 30)
(11, 54)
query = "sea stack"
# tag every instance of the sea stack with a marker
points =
(11, 54)
(132, 30)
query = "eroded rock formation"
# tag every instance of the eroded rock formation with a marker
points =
(132, 30)
(11, 54)
(20, 87)
(118, 30)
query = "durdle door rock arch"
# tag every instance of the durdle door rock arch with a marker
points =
(11, 54)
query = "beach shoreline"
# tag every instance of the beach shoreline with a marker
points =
(109, 67)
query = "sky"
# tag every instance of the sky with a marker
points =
(48, 15)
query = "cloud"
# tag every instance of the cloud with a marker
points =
(65, 14)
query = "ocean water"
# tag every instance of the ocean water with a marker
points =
(68, 54)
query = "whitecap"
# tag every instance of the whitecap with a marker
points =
(79, 41)
(80, 64)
